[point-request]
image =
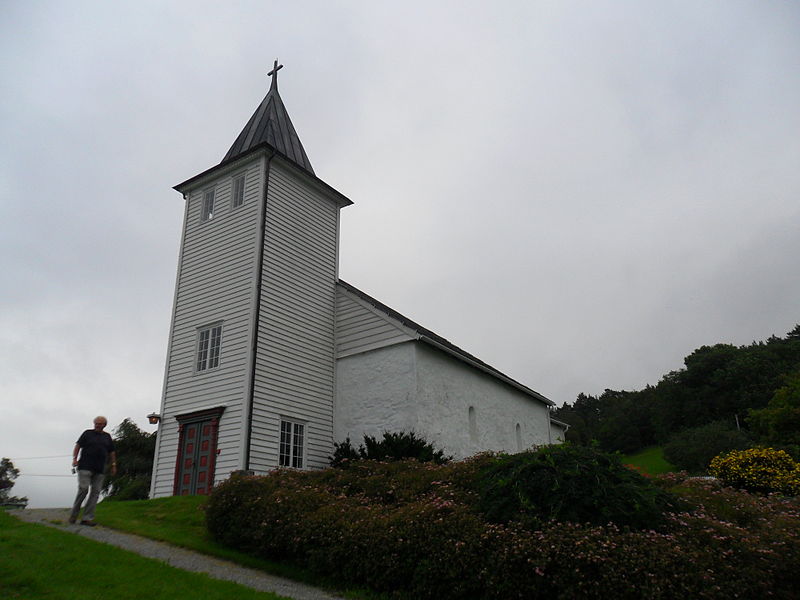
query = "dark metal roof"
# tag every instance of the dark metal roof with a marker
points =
(271, 124)
(426, 335)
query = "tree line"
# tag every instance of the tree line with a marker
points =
(749, 395)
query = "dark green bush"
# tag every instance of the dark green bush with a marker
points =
(692, 449)
(135, 449)
(778, 424)
(395, 482)
(131, 488)
(569, 483)
(344, 453)
(393, 446)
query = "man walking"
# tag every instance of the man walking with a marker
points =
(95, 446)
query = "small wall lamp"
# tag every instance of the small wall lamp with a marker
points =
(154, 418)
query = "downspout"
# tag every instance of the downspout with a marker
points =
(256, 314)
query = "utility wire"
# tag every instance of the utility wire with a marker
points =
(40, 457)
(36, 475)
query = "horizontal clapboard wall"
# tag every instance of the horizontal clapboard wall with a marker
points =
(216, 284)
(361, 328)
(295, 362)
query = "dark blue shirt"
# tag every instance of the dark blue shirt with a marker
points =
(95, 448)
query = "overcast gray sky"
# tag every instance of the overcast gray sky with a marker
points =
(579, 193)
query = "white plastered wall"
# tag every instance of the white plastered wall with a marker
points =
(557, 433)
(375, 392)
(412, 386)
(448, 388)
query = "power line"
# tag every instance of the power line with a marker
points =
(37, 475)
(40, 457)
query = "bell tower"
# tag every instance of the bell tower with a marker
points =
(249, 379)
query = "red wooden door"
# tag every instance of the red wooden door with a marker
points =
(196, 458)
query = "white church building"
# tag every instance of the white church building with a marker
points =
(272, 358)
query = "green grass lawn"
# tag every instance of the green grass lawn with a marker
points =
(180, 520)
(41, 562)
(650, 460)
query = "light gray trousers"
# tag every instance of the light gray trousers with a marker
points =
(87, 479)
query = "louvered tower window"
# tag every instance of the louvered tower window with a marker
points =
(237, 196)
(208, 206)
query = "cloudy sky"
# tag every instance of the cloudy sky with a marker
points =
(579, 193)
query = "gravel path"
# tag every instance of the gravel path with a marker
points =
(176, 557)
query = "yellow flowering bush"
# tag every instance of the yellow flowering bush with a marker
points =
(758, 470)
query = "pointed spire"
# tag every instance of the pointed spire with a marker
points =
(271, 124)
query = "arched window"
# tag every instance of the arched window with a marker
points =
(473, 425)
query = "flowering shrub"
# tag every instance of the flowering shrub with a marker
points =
(758, 470)
(412, 530)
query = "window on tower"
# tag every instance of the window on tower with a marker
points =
(208, 343)
(237, 196)
(208, 206)
(292, 444)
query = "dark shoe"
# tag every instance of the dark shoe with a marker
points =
(88, 523)
(72, 520)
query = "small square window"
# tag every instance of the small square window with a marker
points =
(237, 196)
(208, 343)
(292, 444)
(208, 206)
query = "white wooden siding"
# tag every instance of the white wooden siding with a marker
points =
(361, 328)
(295, 359)
(215, 283)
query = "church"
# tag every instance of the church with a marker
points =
(272, 358)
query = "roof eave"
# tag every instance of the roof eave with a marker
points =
(185, 186)
(489, 370)
(431, 338)
(265, 148)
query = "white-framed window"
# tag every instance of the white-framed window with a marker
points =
(209, 340)
(237, 191)
(207, 212)
(292, 444)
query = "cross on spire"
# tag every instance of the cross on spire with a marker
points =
(274, 73)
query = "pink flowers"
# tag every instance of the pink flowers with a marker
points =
(414, 531)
